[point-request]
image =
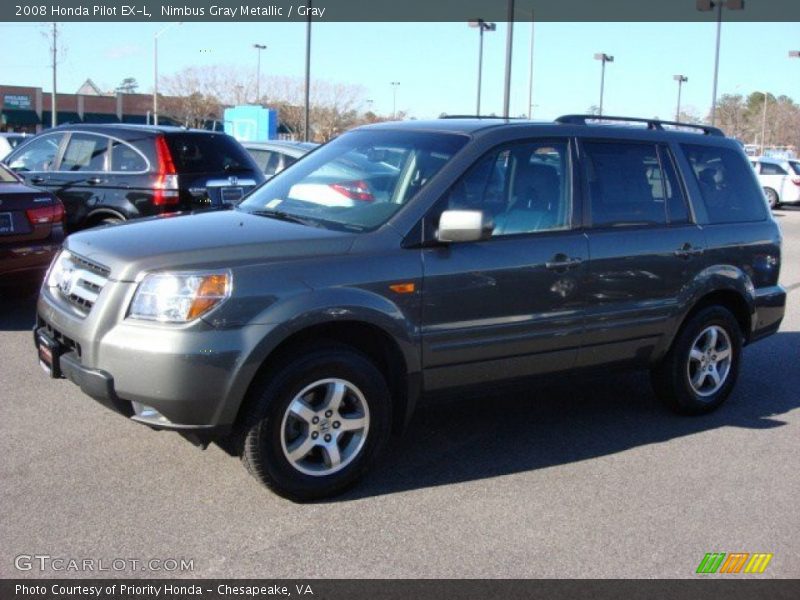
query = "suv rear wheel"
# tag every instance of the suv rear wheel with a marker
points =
(701, 368)
(318, 425)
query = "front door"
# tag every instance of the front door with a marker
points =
(512, 305)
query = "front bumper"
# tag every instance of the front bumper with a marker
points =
(187, 378)
(770, 305)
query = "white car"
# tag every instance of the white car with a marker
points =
(9, 141)
(780, 178)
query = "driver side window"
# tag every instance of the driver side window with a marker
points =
(524, 187)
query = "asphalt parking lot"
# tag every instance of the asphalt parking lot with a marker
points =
(587, 478)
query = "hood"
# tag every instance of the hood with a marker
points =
(206, 240)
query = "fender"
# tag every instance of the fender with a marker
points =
(299, 312)
(716, 278)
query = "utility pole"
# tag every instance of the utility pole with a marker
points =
(603, 58)
(482, 27)
(394, 85)
(53, 118)
(509, 49)
(764, 123)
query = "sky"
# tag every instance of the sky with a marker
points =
(436, 63)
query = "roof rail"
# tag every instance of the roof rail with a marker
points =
(478, 117)
(651, 123)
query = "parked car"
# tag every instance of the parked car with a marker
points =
(31, 230)
(299, 334)
(111, 173)
(274, 156)
(9, 141)
(780, 179)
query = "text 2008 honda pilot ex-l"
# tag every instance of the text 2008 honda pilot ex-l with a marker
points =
(405, 258)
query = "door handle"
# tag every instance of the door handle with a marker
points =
(562, 262)
(37, 180)
(94, 180)
(687, 251)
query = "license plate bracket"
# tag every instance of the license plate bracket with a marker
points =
(49, 352)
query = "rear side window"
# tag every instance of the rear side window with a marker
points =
(772, 169)
(207, 153)
(727, 186)
(626, 184)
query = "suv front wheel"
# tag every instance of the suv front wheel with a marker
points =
(318, 424)
(700, 370)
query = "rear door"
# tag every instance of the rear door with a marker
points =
(774, 176)
(644, 245)
(511, 305)
(81, 178)
(213, 169)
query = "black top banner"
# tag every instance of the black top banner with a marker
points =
(399, 10)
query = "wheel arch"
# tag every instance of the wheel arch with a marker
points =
(370, 337)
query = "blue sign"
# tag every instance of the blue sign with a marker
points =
(251, 123)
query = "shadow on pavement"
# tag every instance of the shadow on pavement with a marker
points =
(18, 308)
(545, 425)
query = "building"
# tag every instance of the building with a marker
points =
(29, 109)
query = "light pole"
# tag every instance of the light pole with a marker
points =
(307, 107)
(681, 79)
(764, 122)
(394, 85)
(155, 68)
(603, 58)
(530, 75)
(706, 6)
(509, 49)
(482, 26)
(259, 48)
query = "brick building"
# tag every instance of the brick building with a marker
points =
(29, 108)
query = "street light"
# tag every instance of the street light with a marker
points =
(394, 85)
(764, 122)
(259, 48)
(603, 58)
(681, 79)
(706, 6)
(481, 26)
(794, 53)
(155, 68)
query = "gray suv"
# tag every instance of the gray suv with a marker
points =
(299, 329)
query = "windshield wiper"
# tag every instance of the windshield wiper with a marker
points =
(284, 216)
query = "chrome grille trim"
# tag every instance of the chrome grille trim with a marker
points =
(86, 282)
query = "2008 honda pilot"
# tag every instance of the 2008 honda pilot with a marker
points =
(299, 328)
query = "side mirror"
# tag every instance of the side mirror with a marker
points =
(464, 226)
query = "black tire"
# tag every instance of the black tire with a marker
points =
(671, 378)
(772, 198)
(261, 448)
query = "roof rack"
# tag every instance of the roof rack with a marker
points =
(651, 123)
(478, 117)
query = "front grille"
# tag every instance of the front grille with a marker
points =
(82, 283)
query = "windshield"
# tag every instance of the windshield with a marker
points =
(357, 181)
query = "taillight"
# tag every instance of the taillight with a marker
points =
(166, 187)
(46, 214)
(796, 181)
(355, 190)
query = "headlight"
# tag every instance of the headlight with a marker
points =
(56, 273)
(179, 297)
